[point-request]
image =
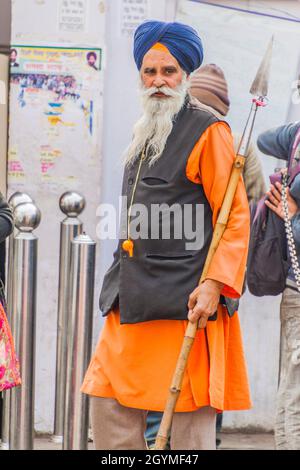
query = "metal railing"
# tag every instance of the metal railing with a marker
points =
(79, 342)
(71, 204)
(24, 288)
(74, 324)
(16, 199)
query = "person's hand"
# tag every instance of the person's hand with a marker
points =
(275, 202)
(203, 301)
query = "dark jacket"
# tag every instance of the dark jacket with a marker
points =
(278, 143)
(6, 228)
(156, 282)
(6, 219)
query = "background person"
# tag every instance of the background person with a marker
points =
(92, 60)
(279, 143)
(13, 58)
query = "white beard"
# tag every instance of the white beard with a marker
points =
(156, 124)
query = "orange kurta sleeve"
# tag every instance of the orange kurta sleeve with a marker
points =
(210, 164)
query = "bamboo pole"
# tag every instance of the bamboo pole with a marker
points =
(191, 330)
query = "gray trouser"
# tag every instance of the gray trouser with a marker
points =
(116, 427)
(287, 425)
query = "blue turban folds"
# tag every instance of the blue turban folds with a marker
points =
(181, 40)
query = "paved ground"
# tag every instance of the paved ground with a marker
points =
(236, 441)
(239, 441)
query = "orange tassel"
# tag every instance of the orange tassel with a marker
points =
(128, 246)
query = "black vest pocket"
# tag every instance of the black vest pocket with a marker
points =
(170, 256)
(154, 181)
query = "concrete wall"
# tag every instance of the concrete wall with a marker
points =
(120, 111)
(5, 22)
(3, 119)
(40, 28)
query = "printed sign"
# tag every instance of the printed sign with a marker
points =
(72, 15)
(133, 13)
(56, 97)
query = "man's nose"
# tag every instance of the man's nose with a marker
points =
(159, 81)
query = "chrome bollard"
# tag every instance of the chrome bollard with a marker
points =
(71, 204)
(27, 218)
(80, 341)
(16, 199)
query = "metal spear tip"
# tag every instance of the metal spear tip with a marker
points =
(261, 82)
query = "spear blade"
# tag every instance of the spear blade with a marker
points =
(261, 82)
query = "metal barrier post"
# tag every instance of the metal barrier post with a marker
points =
(27, 218)
(71, 204)
(80, 341)
(16, 199)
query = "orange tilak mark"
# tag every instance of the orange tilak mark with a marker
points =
(160, 47)
(128, 247)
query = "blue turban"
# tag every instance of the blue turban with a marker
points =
(181, 40)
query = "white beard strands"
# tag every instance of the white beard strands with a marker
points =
(155, 125)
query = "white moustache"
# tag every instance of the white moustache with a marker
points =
(164, 89)
(156, 123)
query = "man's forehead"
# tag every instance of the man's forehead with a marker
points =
(156, 58)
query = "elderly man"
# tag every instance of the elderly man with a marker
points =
(180, 155)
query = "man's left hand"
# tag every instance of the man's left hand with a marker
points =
(275, 203)
(203, 301)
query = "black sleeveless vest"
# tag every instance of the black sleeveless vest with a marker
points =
(156, 282)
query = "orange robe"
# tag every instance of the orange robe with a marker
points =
(135, 363)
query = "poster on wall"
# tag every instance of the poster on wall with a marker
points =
(55, 97)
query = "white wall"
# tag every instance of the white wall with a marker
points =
(3, 119)
(294, 111)
(40, 28)
(120, 111)
(5, 23)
